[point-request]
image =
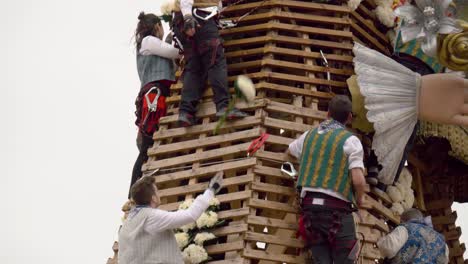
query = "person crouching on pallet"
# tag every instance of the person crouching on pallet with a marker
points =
(331, 164)
(204, 56)
(414, 241)
(156, 72)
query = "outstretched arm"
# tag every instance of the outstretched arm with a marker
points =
(151, 45)
(161, 220)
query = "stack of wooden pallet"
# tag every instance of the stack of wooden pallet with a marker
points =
(298, 54)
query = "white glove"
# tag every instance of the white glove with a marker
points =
(216, 182)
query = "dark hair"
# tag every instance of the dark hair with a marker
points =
(145, 27)
(143, 190)
(339, 108)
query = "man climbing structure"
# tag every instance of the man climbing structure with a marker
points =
(331, 164)
(204, 56)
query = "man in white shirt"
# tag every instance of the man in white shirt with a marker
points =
(204, 56)
(414, 241)
(146, 235)
(331, 165)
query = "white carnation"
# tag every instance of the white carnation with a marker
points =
(186, 204)
(394, 194)
(397, 208)
(182, 239)
(200, 238)
(214, 202)
(247, 87)
(207, 219)
(194, 254)
(188, 227)
(353, 4)
(168, 7)
(385, 15)
(408, 201)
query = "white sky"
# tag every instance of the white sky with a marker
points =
(68, 139)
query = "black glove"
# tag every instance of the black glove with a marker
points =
(190, 22)
(216, 182)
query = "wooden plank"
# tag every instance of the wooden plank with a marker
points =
(439, 204)
(445, 219)
(238, 43)
(228, 261)
(286, 64)
(303, 79)
(209, 109)
(234, 213)
(293, 90)
(296, 110)
(286, 125)
(249, 121)
(289, 52)
(205, 142)
(270, 172)
(221, 248)
(204, 171)
(271, 188)
(271, 239)
(370, 39)
(279, 140)
(370, 26)
(294, 15)
(370, 203)
(271, 222)
(290, 28)
(282, 258)
(200, 187)
(305, 6)
(196, 157)
(230, 229)
(223, 198)
(257, 203)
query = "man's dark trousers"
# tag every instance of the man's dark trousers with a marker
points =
(205, 59)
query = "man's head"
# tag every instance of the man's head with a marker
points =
(411, 214)
(340, 109)
(143, 192)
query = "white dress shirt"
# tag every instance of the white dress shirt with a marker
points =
(352, 148)
(151, 45)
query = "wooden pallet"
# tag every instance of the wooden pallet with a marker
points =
(278, 46)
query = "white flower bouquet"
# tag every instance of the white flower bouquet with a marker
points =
(192, 237)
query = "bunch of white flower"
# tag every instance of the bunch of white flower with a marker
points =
(182, 239)
(214, 202)
(188, 227)
(353, 4)
(207, 219)
(200, 238)
(194, 254)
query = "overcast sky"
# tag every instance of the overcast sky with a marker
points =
(68, 83)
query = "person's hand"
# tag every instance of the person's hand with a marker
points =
(190, 25)
(216, 182)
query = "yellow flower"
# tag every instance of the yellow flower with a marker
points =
(453, 50)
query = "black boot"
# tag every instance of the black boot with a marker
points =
(185, 119)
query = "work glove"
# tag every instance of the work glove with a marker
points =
(190, 23)
(216, 182)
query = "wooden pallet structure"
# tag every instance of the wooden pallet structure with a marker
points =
(279, 47)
